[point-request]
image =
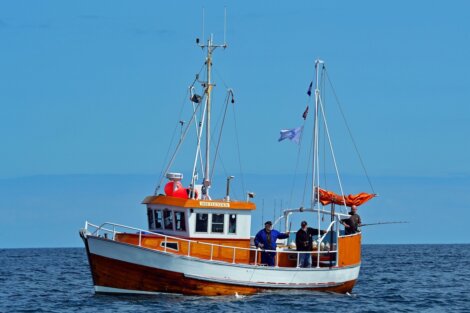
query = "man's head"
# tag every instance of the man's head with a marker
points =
(353, 209)
(268, 225)
(303, 224)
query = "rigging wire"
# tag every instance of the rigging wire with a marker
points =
(220, 134)
(306, 184)
(236, 131)
(163, 171)
(298, 156)
(194, 118)
(296, 166)
(349, 131)
(322, 83)
(199, 129)
(238, 151)
(217, 156)
(171, 141)
(220, 77)
(322, 109)
(177, 147)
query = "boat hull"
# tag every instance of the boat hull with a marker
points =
(118, 267)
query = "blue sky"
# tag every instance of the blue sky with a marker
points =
(95, 88)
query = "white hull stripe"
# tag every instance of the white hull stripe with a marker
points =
(263, 285)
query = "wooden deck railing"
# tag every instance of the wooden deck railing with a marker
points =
(208, 251)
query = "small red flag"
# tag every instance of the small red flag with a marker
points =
(305, 113)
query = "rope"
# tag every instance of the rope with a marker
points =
(322, 82)
(163, 171)
(220, 134)
(220, 76)
(306, 173)
(177, 148)
(349, 131)
(236, 131)
(171, 141)
(298, 157)
(220, 159)
(296, 166)
(238, 151)
(331, 147)
(199, 128)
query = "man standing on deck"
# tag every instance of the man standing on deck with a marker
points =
(304, 242)
(352, 224)
(266, 240)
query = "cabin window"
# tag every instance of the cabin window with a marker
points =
(201, 222)
(169, 245)
(150, 217)
(217, 223)
(232, 223)
(168, 219)
(180, 223)
(158, 219)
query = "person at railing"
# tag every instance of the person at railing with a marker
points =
(304, 242)
(352, 224)
(266, 240)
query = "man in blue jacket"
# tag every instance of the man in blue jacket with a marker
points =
(266, 240)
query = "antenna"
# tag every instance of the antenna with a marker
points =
(203, 25)
(225, 27)
(210, 44)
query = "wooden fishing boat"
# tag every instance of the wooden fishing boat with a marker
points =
(196, 245)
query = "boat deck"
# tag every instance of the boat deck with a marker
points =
(233, 251)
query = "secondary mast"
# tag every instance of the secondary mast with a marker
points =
(316, 161)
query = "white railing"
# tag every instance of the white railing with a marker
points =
(320, 241)
(109, 231)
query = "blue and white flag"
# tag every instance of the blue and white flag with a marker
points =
(292, 134)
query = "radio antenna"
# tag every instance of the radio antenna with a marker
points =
(210, 44)
(225, 26)
(203, 24)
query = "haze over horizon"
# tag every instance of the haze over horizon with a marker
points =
(90, 97)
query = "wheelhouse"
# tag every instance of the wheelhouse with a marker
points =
(195, 218)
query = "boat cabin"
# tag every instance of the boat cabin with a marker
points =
(195, 218)
(191, 214)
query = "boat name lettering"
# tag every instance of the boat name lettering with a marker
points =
(214, 204)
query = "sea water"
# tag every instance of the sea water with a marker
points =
(393, 278)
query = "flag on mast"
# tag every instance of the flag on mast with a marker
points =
(309, 91)
(292, 134)
(305, 113)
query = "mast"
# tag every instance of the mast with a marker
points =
(210, 46)
(316, 161)
(316, 167)
(207, 86)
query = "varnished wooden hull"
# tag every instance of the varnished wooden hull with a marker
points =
(123, 268)
(124, 277)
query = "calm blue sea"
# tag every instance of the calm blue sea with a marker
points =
(394, 278)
